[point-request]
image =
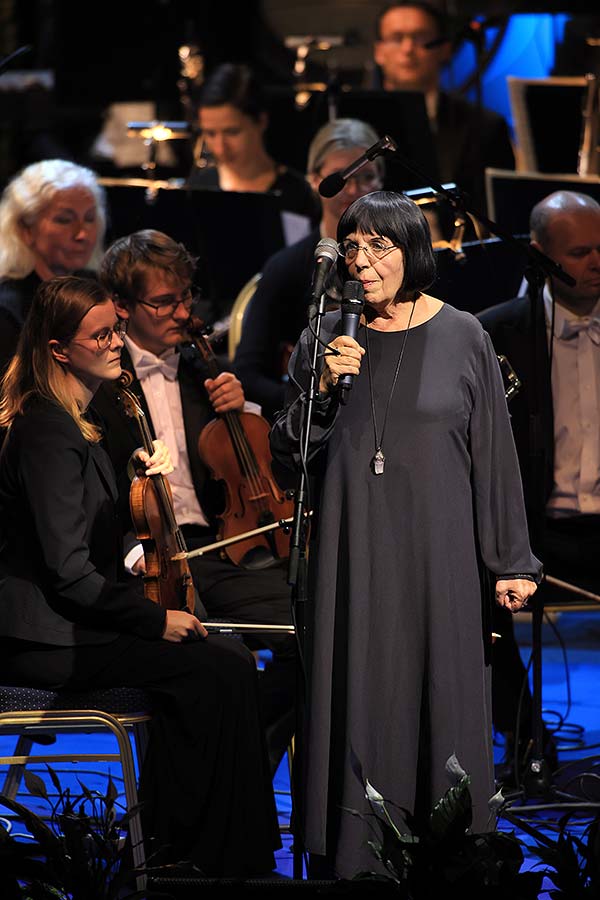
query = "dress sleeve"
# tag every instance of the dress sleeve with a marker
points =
(496, 479)
(286, 433)
(51, 474)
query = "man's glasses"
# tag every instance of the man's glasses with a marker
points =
(104, 337)
(168, 307)
(375, 249)
(421, 39)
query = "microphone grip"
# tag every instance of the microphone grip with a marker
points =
(350, 323)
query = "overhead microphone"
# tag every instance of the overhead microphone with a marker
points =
(334, 183)
(353, 301)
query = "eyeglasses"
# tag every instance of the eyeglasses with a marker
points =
(420, 39)
(162, 310)
(375, 249)
(104, 337)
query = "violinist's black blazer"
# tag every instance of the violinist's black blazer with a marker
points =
(60, 553)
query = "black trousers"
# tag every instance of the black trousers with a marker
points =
(205, 788)
(230, 592)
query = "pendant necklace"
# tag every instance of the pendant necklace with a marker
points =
(378, 460)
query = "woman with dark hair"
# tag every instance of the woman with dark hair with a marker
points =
(69, 619)
(233, 118)
(419, 501)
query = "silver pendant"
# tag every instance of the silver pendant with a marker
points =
(377, 463)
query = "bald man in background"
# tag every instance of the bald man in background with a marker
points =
(552, 340)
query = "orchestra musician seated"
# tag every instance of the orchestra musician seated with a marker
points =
(69, 618)
(233, 117)
(150, 278)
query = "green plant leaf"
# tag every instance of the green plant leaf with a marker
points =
(54, 779)
(453, 814)
(49, 842)
(34, 784)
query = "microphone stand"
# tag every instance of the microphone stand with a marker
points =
(297, 578)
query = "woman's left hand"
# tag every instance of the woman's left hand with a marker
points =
(157, 464)
(225, 392)
(514, 593)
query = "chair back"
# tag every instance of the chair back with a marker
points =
(237, 314)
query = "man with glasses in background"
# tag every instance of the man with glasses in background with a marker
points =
(150, 278)
(412, 45)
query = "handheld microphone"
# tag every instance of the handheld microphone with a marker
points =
(334, 183)
(353, 301)
(325, 255)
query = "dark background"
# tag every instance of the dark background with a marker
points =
(100, 53)
(97, 54)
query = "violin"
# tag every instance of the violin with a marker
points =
(235, 448)
(167, 580)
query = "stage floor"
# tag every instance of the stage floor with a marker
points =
(571, 709)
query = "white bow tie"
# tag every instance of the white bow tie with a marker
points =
(572, 327)
(150, 365)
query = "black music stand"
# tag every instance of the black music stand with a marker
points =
(400, 114)
(403, 116)
(483, 274)
(512, 195)
(231, 233)
(548, 121)
(235, 235)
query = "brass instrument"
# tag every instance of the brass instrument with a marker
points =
(512, 382)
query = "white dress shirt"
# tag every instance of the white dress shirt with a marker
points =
(158, 378)
(575, 354)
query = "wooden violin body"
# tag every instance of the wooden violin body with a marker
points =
(253, 498)
(167, 579)
(235, 448)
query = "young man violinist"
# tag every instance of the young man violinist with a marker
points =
(150, 278)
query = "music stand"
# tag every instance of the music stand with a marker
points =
(512, 195)
(486, 273)
(403, 116)
(400, 114)
(235, 233)
(547, 113)
(231, 233)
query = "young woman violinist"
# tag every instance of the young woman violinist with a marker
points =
(69, 619)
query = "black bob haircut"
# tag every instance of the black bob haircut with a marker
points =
(398, 218)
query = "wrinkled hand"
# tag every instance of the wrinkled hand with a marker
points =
(514, 593)
(225, 392)
(182, 626)
(347, 363)
(157, 464)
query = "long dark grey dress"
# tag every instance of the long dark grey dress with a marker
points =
(398, 669)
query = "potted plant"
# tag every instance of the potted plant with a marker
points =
(76, 852)
(443, 858)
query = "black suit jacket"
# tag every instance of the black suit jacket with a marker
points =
(468, 141)
(60, 549)
(510, 326)
(122, 435)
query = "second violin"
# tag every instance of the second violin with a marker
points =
(235, 447)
